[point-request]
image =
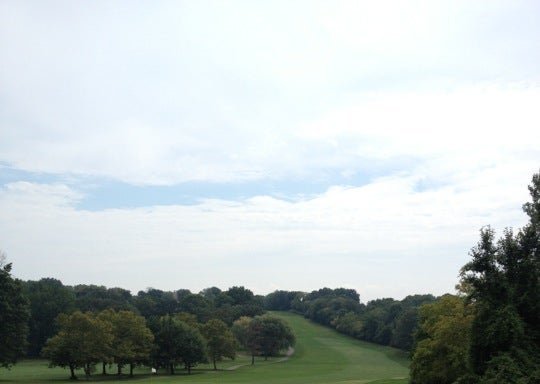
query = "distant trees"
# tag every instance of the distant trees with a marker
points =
(383, 321)
(13, 316)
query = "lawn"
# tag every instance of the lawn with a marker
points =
(321, 356)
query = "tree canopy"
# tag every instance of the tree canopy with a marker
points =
(14, 316)
(83, 340)
(220, 341)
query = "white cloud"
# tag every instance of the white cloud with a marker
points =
(166, 93)
(386, 234)
(437, 101)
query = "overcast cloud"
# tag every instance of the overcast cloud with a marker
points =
(370, 140)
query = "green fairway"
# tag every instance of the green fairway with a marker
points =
(321, 356)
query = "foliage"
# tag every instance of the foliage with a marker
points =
(263, 335)
(14, 316)
(132, 340)
(280, 300)
(271, 335)
(48, 298)
(220, 341)
(383, 321)
(82, 341)
(192, 347)
(176, 343)
(503, 282)
(244, 333)
(440, 356)
(94, 298)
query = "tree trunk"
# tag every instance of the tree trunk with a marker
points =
(252, 359)
(171, 367)
(87, 370)
(103, 369)
(131, 369)
(72, 369)
(119, 369)
(214, 360)
(189, 369)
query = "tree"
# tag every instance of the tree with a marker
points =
(240, 295)
(155, 303)
(220, 341)
(263, 335)
(192, 347)
(82, 341)
(93, 298)
(177, 342)
(132, 340)
(441, 353)
(272, 335)
(14, 316)
(195, 304)
(48, 298)
(503, 282)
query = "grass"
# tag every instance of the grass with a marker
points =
(321, 356)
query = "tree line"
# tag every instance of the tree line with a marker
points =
(382, 321)
(87, 326)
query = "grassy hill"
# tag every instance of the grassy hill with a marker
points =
(321, 356)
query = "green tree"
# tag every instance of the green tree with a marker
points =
(176, 343)
(220, 341)
(132, 340)
(48, 298)
(192, 347)
(94, 298)
(82, 341)
(14, 316)
(503, 282)
(271, 334)
(246, 334)
(441, 352)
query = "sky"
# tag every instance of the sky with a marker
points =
(275, 144)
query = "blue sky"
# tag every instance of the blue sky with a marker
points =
(276, 145)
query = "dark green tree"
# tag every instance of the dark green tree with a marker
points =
(176, 343)
(48, 298)
(14, 316)
(503, 282)
(192, 347)
(94, 298)
(272, 335)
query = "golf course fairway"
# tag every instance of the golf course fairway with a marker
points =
(321, 355)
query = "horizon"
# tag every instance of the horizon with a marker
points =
(271, 146)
